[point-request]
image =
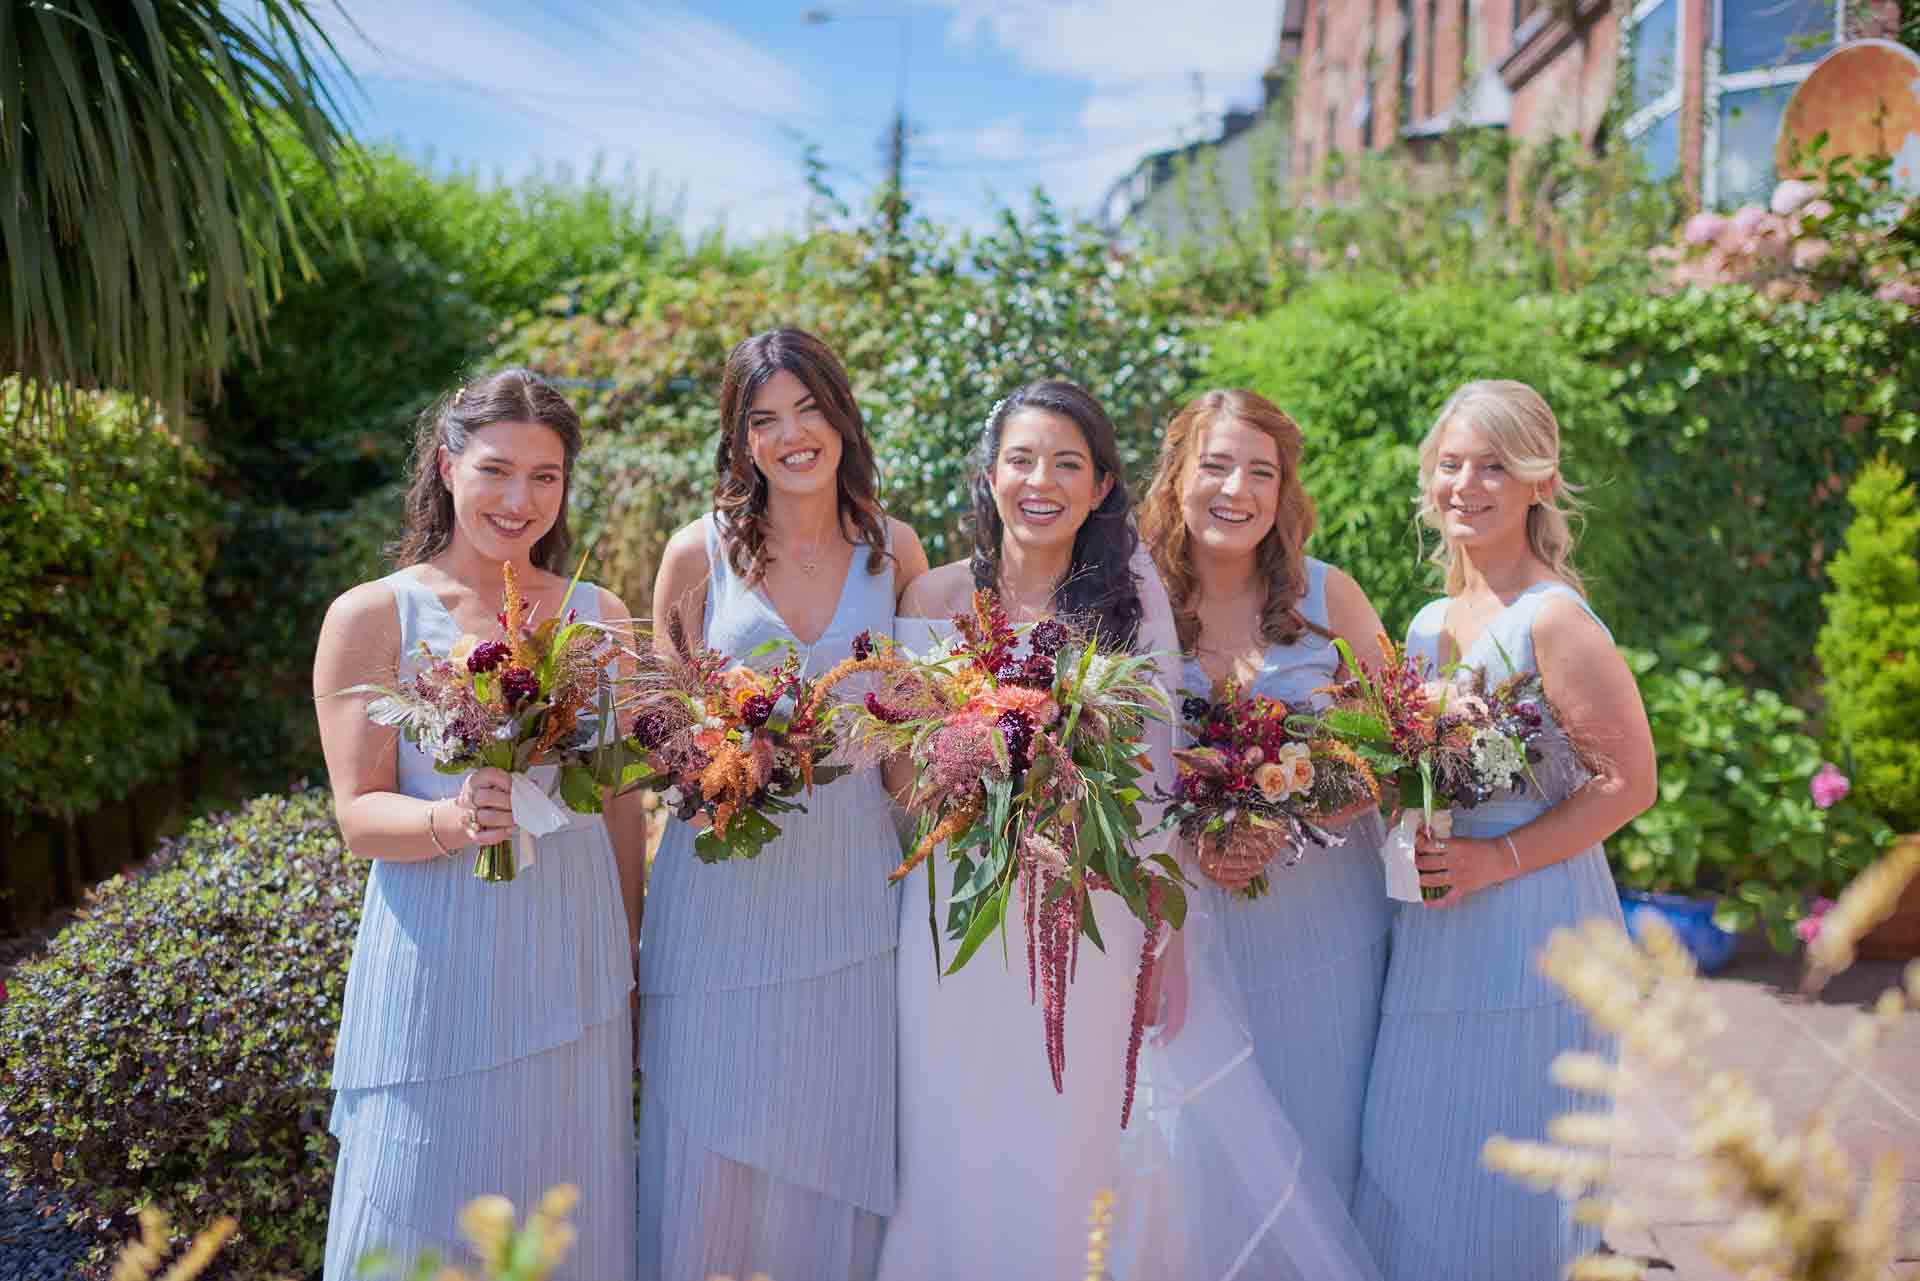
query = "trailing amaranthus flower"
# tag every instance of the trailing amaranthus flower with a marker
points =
(1028, 770)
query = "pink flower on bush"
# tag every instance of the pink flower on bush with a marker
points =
(1808, 927)
(1809, 254)
(1705, 228)
(1829, 786)
(1817, 209)
(1749, 219)
(1793, 194)
(1904, 290)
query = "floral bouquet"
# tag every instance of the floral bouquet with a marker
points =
(1029, 769)
(1455, 746)
(1251, 787)
(732, 742)
(530, 695)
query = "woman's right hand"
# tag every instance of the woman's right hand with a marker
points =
(485, 807)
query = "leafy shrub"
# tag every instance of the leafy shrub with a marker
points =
(1736, 811)
(1036, 297)
(173, 1046)
(1363, 366)
(108, 534)
(1867, 647)
(250, 684)
(1743, 420)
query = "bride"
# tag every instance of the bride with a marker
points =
(998, 1173)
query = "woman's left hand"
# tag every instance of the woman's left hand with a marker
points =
(1462, 865)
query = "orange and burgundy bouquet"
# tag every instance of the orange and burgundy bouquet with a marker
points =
(722, 738)
(533, 695)
(1029, 771)
(1252, 787)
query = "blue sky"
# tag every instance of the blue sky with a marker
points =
(713, 102)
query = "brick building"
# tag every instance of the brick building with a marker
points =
(1704, 81)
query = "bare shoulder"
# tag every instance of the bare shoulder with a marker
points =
(612, 608)
(939, 592)
(686, 550)
(362, 610)
(1563, 630)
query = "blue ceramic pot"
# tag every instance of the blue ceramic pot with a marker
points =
(1690, 918)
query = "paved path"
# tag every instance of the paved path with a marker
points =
(1790, 1050)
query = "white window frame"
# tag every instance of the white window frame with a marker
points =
(1735, 82)
(1667, 103)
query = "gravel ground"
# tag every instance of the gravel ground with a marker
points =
(36, 1246)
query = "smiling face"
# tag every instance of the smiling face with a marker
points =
(1232, 488)
(1044, 482)
(508, 485)
(1479, 502)
(790, 438)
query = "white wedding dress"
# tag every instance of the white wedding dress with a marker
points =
(999, 1173)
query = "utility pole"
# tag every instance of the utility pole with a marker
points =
(894, 141)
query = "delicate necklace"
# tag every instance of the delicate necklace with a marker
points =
(810, 560)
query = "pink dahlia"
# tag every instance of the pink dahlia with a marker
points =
(1829, 786)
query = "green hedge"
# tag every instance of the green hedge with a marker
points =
(173, 1047)
(1363, 366)
(1744, 421)
(106, 529)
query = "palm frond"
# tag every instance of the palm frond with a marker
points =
(144, 224)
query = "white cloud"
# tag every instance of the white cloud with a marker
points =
(1157, 74)
(655, 88)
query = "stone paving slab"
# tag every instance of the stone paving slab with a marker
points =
(1792, 1051)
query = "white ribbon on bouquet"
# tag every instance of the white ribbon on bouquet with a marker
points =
(535, 812)
(1403, 874)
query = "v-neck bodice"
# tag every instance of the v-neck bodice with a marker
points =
(740, 617)
(1289, 673)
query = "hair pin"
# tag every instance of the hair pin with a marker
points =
(458, 395)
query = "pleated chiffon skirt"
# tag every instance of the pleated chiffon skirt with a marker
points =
(1309, 960)
(1468, 1035)
(486, 1048)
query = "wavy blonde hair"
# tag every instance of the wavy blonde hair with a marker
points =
(1281, 557)
(1525, 436)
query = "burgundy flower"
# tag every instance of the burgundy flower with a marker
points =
(1017, 728)
(1194, 709)
(1048, 637)
(519, 685)
(880, 711)
(487, 655)
(863, 646)
(755, 710)
(650, 729)
(1036, 671)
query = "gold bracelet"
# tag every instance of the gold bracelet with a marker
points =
(431, 832)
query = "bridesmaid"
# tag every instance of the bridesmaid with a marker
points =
(767, 986)
(1227, 522)
(485, 1043)
(1468, 1030)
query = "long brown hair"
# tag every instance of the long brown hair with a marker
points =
(1280, 559)
(510, 395)
(739, 489)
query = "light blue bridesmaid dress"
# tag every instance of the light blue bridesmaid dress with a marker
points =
(1468, 1030)
(1309, 957)
(767, 1009)
(485, 1044)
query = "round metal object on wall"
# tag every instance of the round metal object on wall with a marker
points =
(1865, 96)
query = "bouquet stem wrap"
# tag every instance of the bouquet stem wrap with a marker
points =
(1403, 874)
(535, 814)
